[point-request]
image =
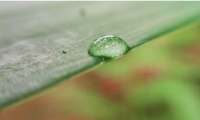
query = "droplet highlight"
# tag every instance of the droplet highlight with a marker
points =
(108, 46)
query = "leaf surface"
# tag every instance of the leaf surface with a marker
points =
(42, 43)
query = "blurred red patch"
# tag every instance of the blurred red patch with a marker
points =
(191, 53)
(147, 73)
(110, 88)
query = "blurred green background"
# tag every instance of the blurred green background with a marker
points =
(156, 81)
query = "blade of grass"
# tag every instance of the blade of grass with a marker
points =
(32, 38)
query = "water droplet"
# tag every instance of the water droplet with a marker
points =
(108, 46)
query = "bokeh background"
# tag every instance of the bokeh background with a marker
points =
(159, 80)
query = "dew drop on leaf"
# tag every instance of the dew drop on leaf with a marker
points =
(108, 46)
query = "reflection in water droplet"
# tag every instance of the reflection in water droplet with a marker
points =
(108, 46)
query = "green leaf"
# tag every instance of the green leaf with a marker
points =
(43, 43)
